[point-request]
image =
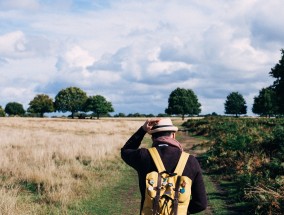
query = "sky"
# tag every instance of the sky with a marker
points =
(135, 53)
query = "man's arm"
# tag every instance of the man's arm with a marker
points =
(130, 152)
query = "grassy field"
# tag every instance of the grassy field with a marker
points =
(64, 166)
(47, 165)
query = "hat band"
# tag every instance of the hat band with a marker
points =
(160, 126)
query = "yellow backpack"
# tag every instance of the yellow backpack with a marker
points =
(167, 193)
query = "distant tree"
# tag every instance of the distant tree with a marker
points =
(14, 108)
(2, 112)
(70, 99)
(184, 102)
(163, 115)
(235, 104)
(265, 103)
(150, 115)
(41, 104)
(120, 115)
(278, 72)
(98, 105)
(136, 115)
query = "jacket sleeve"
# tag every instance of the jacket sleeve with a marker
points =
(130, 152)
(199, 198)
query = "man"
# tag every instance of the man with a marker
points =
(169, 149)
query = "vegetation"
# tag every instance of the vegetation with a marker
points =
(249, 153)
(2, 112)
(70, 99)
(98, 105)
(278, 85)
(235, 104)
(41, 104)
(52, 166)
(184, 102)
(14, 108)
(270, 101)
(265, 103)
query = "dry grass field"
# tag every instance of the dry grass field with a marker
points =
(46, 162)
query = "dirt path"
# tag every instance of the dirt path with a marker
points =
(194, 147)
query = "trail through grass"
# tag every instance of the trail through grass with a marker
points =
(120, 196)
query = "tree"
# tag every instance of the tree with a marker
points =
(235, 104)
(2, 112)
(278, 73)
(41, 104)
(14, 108)
(183, 101)
(98, 105)
(265, 103)
(70, 99)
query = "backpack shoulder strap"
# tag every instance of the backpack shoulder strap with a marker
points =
(181, 163)
(157, 159)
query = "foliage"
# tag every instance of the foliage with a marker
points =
(98, 105)
(265, 103)
(183, 101)
(41, 104)
(2, 112)
(120, 115)
(278, 72)
(70, 99)
(235, 104)
(14, 108)
(249, 152)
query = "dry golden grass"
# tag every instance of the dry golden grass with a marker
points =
(48, 161)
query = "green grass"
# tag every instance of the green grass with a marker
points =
(119, 196)
(216, 200)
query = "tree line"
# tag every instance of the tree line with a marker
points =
(269, 102)
(71, 99)
(181, 101)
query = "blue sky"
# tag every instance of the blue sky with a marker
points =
(134, 53)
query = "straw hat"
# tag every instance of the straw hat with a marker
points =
(163, 125)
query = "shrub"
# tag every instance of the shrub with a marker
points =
(2, 112)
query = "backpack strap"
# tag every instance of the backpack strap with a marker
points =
(181, 163)
(157, 159)
(179, 170)
(175, 207)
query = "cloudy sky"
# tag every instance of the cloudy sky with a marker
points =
(134, 53)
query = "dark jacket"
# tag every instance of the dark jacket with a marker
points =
(140, 159)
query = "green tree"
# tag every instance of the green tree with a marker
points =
(41, 104)
(183, 101)
(235, 104)
(14, 108)
(98, 105)
(2, 112)
(278, 72)
(265, 103)
(70, 99)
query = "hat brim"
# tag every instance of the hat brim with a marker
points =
(172, 128)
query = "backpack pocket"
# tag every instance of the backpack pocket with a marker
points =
(151, 184)
(184, 189)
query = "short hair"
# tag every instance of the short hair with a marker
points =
(162, 134)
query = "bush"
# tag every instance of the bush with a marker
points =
(250, 152)
(2, 112)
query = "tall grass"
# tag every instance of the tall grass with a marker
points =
(47, 162)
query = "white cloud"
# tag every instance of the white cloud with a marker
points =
(20, 4)
(132, 52)
(12, 44)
